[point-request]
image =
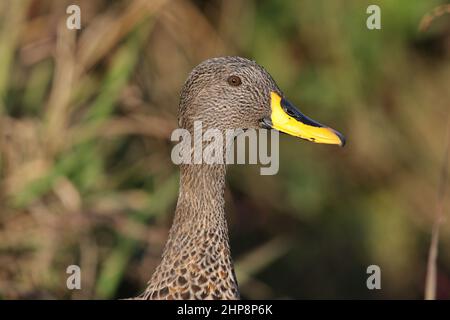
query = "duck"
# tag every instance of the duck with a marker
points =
(223, 93)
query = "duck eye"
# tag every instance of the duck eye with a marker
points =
(234, 81)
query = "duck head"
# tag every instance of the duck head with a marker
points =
(237, 93)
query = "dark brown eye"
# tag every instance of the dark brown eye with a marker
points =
(234, 81)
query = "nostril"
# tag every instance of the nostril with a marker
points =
(290, 112)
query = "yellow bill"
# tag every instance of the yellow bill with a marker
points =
(288, 119)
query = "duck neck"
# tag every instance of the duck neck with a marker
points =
(196, 260)
(201, 203)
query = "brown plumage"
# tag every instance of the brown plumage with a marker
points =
(223, 93)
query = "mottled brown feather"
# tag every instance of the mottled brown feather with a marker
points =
(196, 262)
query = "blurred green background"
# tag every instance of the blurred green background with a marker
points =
(85, 120)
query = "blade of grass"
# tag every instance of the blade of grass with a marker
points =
(437, 12)
(13, 13)
(431, 278)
